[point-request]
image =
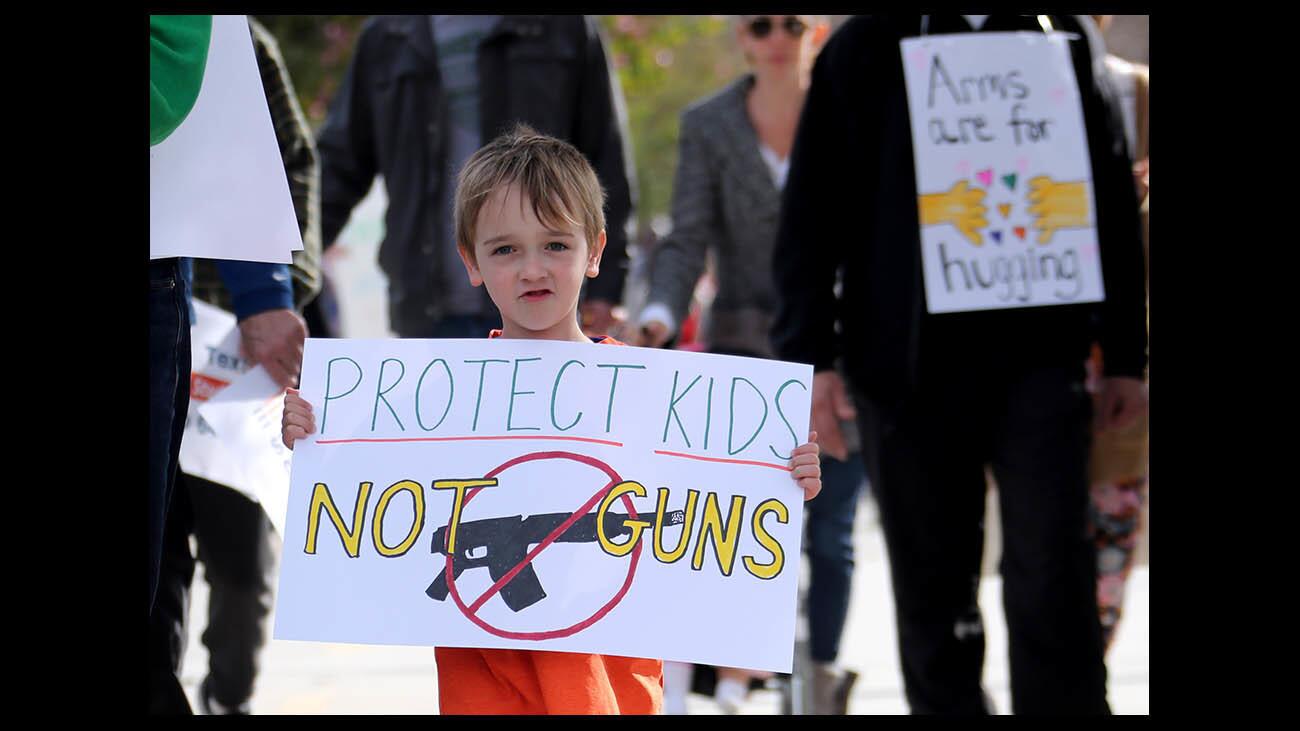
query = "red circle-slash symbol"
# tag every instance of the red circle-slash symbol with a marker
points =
(471, 611)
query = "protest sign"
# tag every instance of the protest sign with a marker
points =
(217, 186)
(236, 444)
(547, 495)
(1004, 181)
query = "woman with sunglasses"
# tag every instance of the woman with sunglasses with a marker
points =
(734, 152)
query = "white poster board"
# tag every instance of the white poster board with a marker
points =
(405, 428)
(1004, 181)
(236, 444)
(217, 186)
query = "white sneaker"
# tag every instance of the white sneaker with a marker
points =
(730, 695)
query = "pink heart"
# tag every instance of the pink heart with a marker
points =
(985, 177)
(963, 168)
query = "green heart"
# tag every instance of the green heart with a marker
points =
(1010, 180)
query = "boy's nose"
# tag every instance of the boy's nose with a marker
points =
(533, 267)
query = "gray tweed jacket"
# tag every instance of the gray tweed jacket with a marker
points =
(724, 204)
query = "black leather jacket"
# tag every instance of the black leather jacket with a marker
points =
(549, 71)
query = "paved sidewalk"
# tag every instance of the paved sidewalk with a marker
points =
(320, 678)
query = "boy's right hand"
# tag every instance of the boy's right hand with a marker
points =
(297, 421)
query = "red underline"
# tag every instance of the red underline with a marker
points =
(463, 439)
(725, 461)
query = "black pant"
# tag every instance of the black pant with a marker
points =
(240, 553)
(926, 463)
(169, 395)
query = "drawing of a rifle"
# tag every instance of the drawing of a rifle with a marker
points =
(500, 544)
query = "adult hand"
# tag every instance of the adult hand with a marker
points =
(597, 317)
(830, 406)
(1142, 176)
(652, 334)
(1121, 400)
(273, 340)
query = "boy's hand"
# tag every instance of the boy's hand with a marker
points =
(806, 467)
(297, 421)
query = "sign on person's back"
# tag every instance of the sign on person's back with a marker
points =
(547, 495)
(1004, 180)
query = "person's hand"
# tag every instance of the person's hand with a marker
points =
(1057, 205)
(1120, 402)
(297, 421)
(806, 467)
(1142, 176)
(597, 317)
(273, 340)
(652, 334)
(961, 206)
(830, 406)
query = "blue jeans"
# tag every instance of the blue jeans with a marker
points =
(829, 545)
(169, 395)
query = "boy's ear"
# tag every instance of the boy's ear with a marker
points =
(593, 256)
(471, 268)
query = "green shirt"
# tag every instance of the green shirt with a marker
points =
(178, 53)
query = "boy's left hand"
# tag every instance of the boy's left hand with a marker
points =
(806, 467)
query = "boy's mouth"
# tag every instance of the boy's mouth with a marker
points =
(533, 295)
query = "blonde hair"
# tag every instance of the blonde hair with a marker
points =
(552, 173)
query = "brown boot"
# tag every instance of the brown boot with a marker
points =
(831, 687)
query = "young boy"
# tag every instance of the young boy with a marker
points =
(529, 225)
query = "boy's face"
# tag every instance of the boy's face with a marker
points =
(532, 271)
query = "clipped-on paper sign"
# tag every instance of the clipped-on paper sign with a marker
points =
(217, 186)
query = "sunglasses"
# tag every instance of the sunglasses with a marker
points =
(759, 27)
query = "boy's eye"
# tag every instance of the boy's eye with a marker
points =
(503, 249)
(557, 246)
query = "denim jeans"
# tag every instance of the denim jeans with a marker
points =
(169, 395)
(829, 545)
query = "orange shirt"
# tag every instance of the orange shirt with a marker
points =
(491, 681)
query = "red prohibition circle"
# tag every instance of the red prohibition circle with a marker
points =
(573, 629)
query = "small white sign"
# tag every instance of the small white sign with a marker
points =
(232, 429)
(217, 186)
(547, 495)
(1004, 183)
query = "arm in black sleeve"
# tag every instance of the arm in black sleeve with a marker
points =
(1119, 229)
(602, 137)
(815, 220)
(346, 142)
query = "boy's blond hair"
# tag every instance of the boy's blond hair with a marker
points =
(552, 173)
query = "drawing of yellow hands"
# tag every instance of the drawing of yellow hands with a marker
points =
(961, 206)
(1056, 205)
